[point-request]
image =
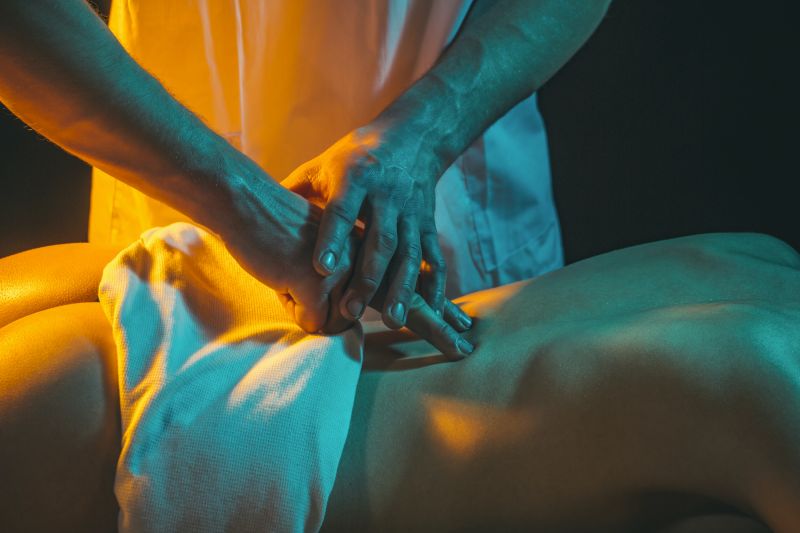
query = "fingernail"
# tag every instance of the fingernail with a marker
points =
(398, 311)
(465, 347)
(328, 260)
(355, 307)
(465, 321)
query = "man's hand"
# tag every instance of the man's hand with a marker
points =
(271, 235)
(273, 239)
(382, 175)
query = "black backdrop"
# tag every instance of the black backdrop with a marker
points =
(678, 117)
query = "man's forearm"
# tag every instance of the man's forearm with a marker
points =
(66, 75)
(505, 51)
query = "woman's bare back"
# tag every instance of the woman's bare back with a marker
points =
(621, 392)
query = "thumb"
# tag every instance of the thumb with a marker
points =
(311, 314)
(299, 181)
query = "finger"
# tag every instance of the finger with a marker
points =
(288, 305)
(434, 278)
(298, 182)
(457, 318)
(310, 313)
(426, 324)
(404, 271)
(336, 322)
(284, 298)
(374, 257)
(337, 221)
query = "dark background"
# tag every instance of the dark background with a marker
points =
(677, 117)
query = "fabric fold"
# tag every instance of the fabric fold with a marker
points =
(233, 418)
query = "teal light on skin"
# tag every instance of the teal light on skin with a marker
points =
(59, 59)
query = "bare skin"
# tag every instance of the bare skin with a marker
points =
(59, 60)
(630, 391)
(616, 394)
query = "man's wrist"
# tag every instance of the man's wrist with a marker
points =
(216, 183)
(250, 200)
(423, 120)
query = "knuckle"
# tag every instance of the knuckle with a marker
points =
(416, 304)
(403, 181)
(413, 203)
(429, 235)
(340, 211)
(437, 296)
(362, 167)
(436, 269)
(366, 173)
(367, 284)
(439, 266)
(411, 252)
(344, 262)
(401, 193)
(386, 241)
(405, 288)
(443, 329)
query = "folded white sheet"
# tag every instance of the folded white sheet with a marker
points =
(233, 418)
